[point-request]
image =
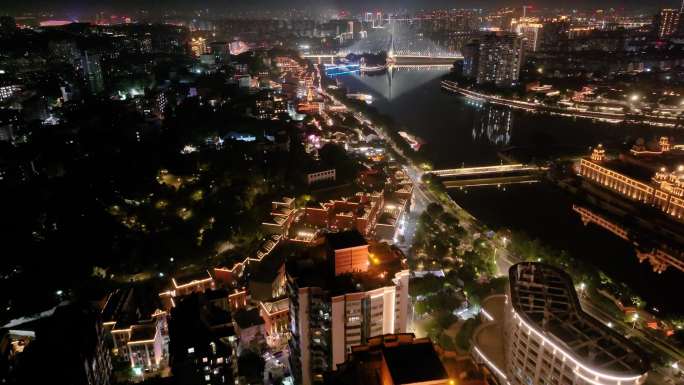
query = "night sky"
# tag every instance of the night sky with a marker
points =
(88, 6)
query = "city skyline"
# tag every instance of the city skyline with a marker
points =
(342, 193)
(81, 9)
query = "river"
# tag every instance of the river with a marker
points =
(460, 132)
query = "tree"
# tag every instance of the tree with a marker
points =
(434, 210)
(429, 284)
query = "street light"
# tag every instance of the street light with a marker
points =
(634, 319)
(582, 287)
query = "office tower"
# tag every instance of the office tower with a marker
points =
(330, 313)
(539, 334)
(92, 71)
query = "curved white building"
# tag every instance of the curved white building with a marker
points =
(538, 335)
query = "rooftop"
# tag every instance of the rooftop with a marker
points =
(313, 270)
(267, 270)
(248, 318)
(276, 306)
(409, 360)
(145, 331)
(116, 303)
(643, 167)
(191, 279)
(629, 169)
(345, 240)
(545, 297)
(414, 363)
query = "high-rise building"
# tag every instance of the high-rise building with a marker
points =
(538, 334)
(92, 71)
(330, 313)
(64, 50)
(668, 22)
(198, 46)
(494, 58)
(530, 35)
(471, 59)
(201, 332)
(65, 345)
(7, 90)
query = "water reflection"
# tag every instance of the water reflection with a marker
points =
(397, 81)
(494, 125)
(660, 253)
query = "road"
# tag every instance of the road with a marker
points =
(615, 117)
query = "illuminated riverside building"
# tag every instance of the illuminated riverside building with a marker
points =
(648, 176)
(538, 334)
(660, 256)
(330, 313)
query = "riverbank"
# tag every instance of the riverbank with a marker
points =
(609, 117)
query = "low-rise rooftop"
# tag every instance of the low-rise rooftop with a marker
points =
(313, 270)
(401, 357)
(345, 240)
(143, 332)
(248, 318)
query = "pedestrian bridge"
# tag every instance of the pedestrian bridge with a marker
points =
(503, 169)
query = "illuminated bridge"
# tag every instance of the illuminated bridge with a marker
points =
(505, 169)
(403, 45)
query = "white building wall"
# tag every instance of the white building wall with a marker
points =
(402, 302)
(389, 313)
(338, 347)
